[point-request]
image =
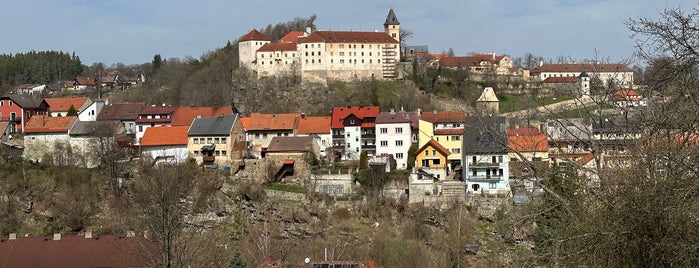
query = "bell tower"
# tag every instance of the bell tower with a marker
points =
(392, 26)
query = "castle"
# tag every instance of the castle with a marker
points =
(324, 55)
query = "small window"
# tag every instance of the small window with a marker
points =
(264, 135)
(383, 130)
(209, 140)
(196, 140)
(224, 153)
(399, 143)
(223, 140)
(399, 130)
(384, 143)
(399, 155)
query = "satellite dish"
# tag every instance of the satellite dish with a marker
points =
(307, 260)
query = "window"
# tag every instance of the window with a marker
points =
(494, 159)
(264, 135)
(399, 155)
(427, 153)
(196, 140)
(434, 152)
(383, 130)
(384, 143)
(216, 140)
(140, 128)
(2, 103)
(196, 153)
(399, 143)
(209, 140)
(473, 160)
(500, 159)
(279, 134)
(286, 134)
(218, 153)
(455, 138)
(455, 150)
(435, 161)
(257, 135)
(492, 185)
(399, 130)
(224, 152)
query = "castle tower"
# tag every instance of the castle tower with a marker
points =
(488, 103)
(248, 45)
(392, 26)
(584, 81)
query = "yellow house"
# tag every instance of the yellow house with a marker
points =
(447, 128)
(432, 158)
(217, 140)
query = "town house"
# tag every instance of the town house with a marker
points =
(354, 131)
(317, 127)
(447, 128)
(18, 109)
(394, 135)
(485, 155)
(261, 128)
(153, 116)
(61, 106)
(217, 140)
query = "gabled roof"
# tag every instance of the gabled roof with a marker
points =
(314, 125)
(165, 113)
(45, 124)
(434, 144)
(291, 144)
(581, 67)
(96, 128)
(348, 37)
(391, 19)
(63, 104)
(165, 135)
(443, 117)
(120, 111)
(184, 115)
(84, 81)
(291, 37)
(25, 101)
(488, 95)
(261, 122)
(78, 251)
(449, 131)
(361, 112)
(522, 131)
(253, 35)
(528, 143)
(271, 47)
(485, 134)
(221, 125)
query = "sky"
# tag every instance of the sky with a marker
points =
(133, 31)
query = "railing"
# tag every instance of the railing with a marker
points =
(369, 146)
(10, 119)
(489, 178)
(484, 164)
(208, 159)
(338, 136)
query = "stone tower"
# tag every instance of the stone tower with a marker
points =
(488, 103)
(248, 45)
(584, 81)
(392, 26)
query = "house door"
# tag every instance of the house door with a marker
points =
(475, 187)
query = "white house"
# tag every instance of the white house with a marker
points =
(485, 155)
(86, 138)
(319, 128)
(43, 135)
(606, 72)
(90, 112)
(166, 143)
(394, 135)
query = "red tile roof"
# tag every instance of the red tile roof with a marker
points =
(253, 35)
(434, 144)
(85, 80)
(271, 47)
(165, 135)
(449, 131)
(184, 115)
(528, 143)
(164, 112)
(120, 111)
(581, 67)
(63, 104)
(291, 37)
(260, 121)
(78, 251)
(443, 117)
(362, 112)
(348, 37)
(522, 131)
(568, 79)
(314, 125)
(45, 124)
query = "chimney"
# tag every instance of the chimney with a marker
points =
(434, 111)
(88, 234)
(419, 111)
(57, 236)
(393, 111)
(13, 236)
(303, 115)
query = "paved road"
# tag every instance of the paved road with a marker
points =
(554, 107)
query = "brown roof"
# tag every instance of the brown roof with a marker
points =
(260, 121)
(522, 131)
(120, 111)
(45, 124)
(528, 143)
(78, 251)
(443, 117)
(581, 67)
(270, 47)
(165, 113)
(254, 34)
(291, 37)
(449, 131)
(85, 81)
(63, 104)
(186, 114)
(165, 135)
(314, 125)
(348, 37)
(291, 144)
(566, 79)
(435, 144)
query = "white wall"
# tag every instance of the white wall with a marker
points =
(390, 137)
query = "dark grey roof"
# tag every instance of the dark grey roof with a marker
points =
(213, 126)
(291, 144)
(391, 19)
(91, 128)
(420, 48)
(25, 101)
(484, 134)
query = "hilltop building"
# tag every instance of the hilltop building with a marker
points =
(318, 56)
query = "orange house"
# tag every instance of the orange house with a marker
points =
(432, 158)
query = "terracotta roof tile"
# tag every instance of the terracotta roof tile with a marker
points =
(260, 121)
(291, 37)
(45, 124)
(253, 35)
(165, 135)
(120, 111)
(348, 37)
(443, 117)
(184, 115)
(362, 112)
(314, 125)
(88, 81)
(271, 47)
(522, 131)
(434, 144)
(291, 144)
(528, 143)
(63, 104)
(449, 131)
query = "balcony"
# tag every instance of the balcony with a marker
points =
(484, 164)
(340, 136)
(484, 178)
(369, 147)
(368, 135)
(208, 159)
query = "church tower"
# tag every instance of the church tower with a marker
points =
(392, 26)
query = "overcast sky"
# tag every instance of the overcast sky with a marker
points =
(132, 31)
